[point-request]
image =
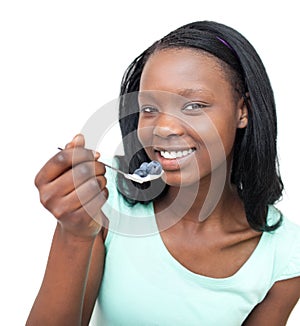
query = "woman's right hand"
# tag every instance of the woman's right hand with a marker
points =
(72, 187)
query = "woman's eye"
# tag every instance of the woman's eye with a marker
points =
(148, 109)
(194, 107)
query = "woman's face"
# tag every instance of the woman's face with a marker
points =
(189, 114)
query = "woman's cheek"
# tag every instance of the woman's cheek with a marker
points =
(141, 133)
(215, 146)
(145, 134)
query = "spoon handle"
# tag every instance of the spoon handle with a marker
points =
(115, 169)
(109, 166)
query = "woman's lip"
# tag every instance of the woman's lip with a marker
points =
(172, 149)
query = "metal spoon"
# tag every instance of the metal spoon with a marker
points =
(133, 177)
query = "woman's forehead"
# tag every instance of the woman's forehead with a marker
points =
(183, 71)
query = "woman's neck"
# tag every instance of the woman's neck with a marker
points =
(201, 203)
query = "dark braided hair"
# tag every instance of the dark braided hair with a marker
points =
(255, 164)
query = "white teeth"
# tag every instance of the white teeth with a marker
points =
(180, 154)
(173, 154)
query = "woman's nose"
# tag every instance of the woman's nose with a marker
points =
(167, 125)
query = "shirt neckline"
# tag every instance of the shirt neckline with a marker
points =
(225, 281)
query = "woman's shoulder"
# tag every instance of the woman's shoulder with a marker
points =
(288, 230)
(285, 241)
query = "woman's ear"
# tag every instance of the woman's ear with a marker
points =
(243, 104)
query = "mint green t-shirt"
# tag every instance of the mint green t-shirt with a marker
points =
(143, 284)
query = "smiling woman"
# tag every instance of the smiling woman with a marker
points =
(243, 76)
(202, 245)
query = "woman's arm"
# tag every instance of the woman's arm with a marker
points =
(60, 299)
(72, 187)
(276, 307)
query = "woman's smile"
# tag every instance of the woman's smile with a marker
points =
(174, 153)
(173, 158)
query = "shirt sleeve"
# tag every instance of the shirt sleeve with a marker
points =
(291, 257)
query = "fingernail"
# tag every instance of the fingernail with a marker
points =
(96, 155)
(77, 137)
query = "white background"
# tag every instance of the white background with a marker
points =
(62, 60)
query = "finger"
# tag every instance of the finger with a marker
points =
(75, 177)
(50, 193)
(84, 171)
(86, 219)
(93, 207)
(61, 206)
(61, 162)
(78, 216)
(77, 141)
(85, 193)
(96, 155)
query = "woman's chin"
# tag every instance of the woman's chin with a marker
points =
(179, 179)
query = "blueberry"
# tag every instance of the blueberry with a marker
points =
(154, 167)
(144, 166)
(140, 172)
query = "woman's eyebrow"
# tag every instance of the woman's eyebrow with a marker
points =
(181, 91)
(186, 92)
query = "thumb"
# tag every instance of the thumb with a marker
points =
(77, 141)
